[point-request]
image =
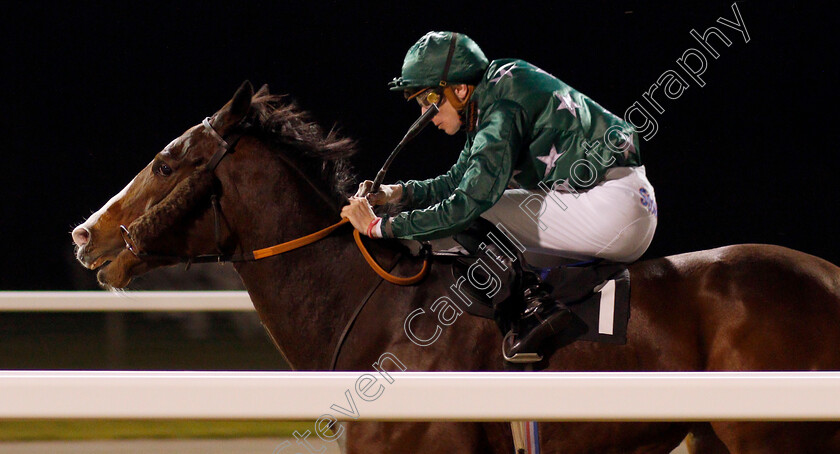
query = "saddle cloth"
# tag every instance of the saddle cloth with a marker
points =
(597, 293)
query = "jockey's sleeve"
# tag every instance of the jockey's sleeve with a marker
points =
(421, 194)
(487, 168)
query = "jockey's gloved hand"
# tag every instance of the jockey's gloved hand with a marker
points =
(388, 193)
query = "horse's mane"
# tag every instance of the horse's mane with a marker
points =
(286, 127)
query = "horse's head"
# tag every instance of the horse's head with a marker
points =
(160, 210)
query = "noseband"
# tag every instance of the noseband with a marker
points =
(225, 145)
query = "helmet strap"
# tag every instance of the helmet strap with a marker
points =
(465, 107)
(445, 74)
(453, 99)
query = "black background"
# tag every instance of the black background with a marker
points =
(91, 91)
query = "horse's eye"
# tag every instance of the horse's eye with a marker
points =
(165, 170)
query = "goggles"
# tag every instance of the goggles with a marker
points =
(427, 97)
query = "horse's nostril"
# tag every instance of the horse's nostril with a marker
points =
(81, 236)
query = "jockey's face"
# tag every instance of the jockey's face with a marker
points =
(448, 118)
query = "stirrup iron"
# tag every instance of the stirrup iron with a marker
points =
(519, 358)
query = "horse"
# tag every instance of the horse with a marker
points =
(737, 308)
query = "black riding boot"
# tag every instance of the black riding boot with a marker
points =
(542, 318)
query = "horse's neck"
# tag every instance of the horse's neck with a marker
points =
(305, 296)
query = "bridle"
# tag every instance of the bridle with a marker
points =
(227, 144)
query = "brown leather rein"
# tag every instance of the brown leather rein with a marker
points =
(228, 144)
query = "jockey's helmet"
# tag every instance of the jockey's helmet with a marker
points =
(439, 59)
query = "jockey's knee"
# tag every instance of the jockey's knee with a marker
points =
(631, 242)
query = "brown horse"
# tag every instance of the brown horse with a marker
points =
(746, 307)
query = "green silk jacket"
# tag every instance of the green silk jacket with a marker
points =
(531, 127)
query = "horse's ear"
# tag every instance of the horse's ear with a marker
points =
(241, 102)
(236, 109)
(263, 91)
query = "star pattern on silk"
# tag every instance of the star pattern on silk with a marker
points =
(504, 70)
(549, 160)
(631, 149)
(563, 186)
(566, 102)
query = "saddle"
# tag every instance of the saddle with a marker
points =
(487, 272)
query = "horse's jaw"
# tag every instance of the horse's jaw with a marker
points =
(91, 261)
(119, 272)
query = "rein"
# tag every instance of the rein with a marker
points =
(228, 145)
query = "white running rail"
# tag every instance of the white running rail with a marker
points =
(124, 301)
(450, 396)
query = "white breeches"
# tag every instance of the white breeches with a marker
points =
(614, 220)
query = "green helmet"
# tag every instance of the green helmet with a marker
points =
(441, 58)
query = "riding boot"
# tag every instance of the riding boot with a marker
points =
(542, 318)
(539, 316)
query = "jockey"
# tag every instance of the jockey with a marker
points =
(561, 173)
